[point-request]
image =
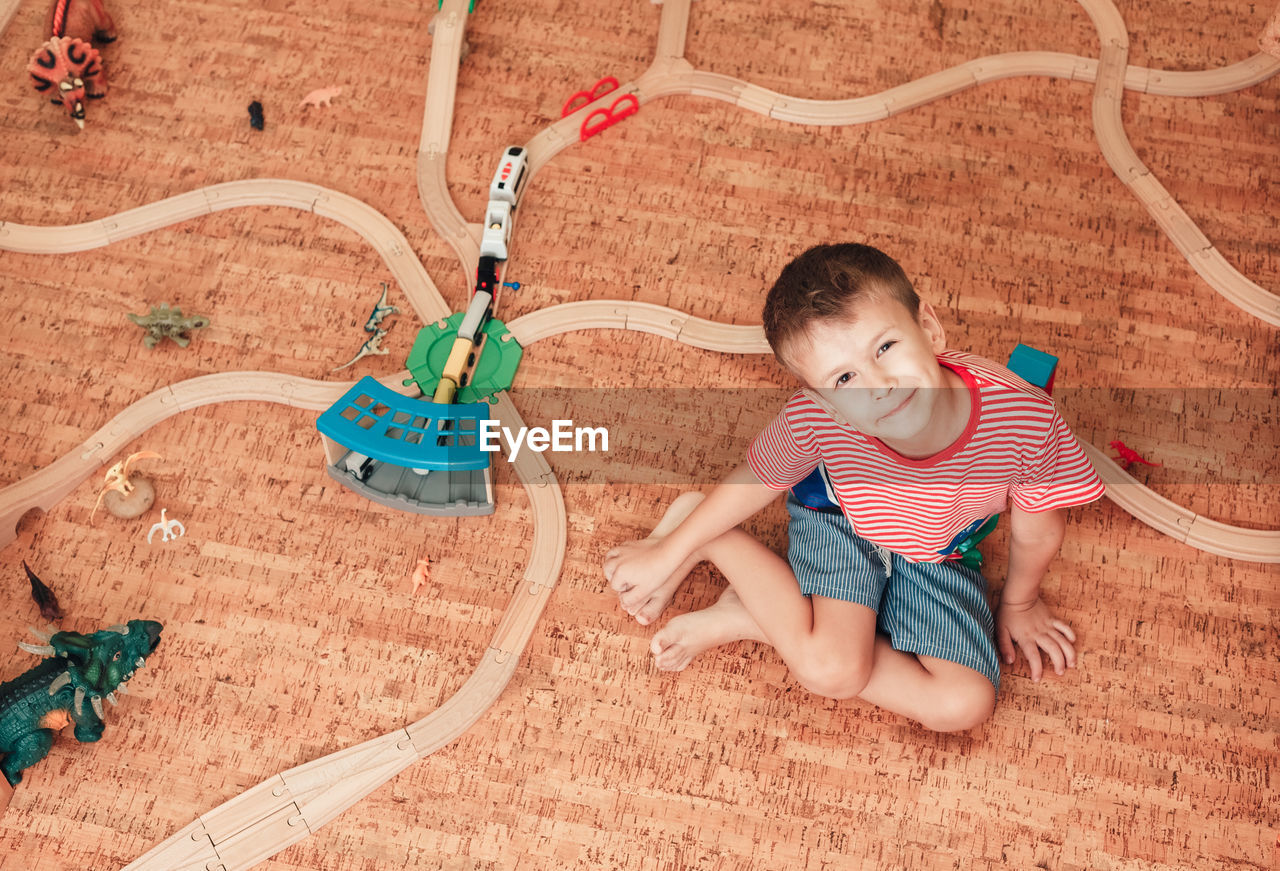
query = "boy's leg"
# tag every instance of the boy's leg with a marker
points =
(939, 634)
(826, 643)
(824, 640)
(938, 694)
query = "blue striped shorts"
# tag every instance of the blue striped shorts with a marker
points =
(929, 609)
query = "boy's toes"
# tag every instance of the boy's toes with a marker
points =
(649, 611)
(668, 655)
(630, 602)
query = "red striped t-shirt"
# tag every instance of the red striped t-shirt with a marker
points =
(1015, 446)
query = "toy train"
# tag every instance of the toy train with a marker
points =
(504, 196)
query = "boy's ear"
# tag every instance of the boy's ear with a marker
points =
(932, 327)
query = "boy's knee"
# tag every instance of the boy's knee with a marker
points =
(834, 677)
(961, 706)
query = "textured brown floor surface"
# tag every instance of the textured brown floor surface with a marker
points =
(290, 629)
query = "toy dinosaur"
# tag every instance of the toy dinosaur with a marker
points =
(373, 346)
(118, 480)
(36, 704)
(1269, 41)
(319, 97)
(163, 322)
(380, 311)
(170, 529)
(44, 597)
(1128, 456)
(422, 573)
(68, 67)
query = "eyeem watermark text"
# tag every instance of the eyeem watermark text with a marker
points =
(563, 436)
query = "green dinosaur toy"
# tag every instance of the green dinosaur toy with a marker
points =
(163, 322)
(36, 704)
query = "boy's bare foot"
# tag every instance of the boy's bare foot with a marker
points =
(676, 512)
(687, 635)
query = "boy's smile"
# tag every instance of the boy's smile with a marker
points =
(877, 371)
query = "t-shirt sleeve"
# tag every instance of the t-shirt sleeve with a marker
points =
(1059, 476)
(779, 457)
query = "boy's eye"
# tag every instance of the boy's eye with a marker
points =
(886, 346)
(844, 379)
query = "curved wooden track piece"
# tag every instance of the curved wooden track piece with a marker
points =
(1251, 545)
(643, 317)
(50, 485)
(371, 224)
(1108, 126)
(289, 806)
(670, 75)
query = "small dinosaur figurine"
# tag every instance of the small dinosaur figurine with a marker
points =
(380, 311)
(67, 67)
(118, 480)
(170, 529)
(44, 597)
(44, 699)
(422, 573)
(1269, 41)
(1128, 456)
(319, 97)
(164, 322)
(373, 346)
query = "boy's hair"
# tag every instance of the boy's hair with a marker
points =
(825, 283)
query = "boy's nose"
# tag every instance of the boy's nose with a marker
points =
(880, 384)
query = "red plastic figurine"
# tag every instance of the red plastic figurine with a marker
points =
(1128, 456)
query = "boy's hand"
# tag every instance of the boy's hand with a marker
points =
(1032, 627)
(636, 570)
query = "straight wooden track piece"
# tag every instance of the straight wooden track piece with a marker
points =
(437, 124)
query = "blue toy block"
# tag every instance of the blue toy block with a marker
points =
(1033, 366)
(373, 420)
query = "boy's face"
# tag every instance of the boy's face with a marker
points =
(877, 371)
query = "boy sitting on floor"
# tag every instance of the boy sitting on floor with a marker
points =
(918, 447)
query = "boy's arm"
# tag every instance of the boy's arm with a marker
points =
(637, 568)
(1024, 619)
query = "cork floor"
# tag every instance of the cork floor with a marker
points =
(290, 627)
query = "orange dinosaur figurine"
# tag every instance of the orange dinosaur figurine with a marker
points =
(138, 491)
(68, 68)
(320, 97)
(1270, 39)
(422, 573)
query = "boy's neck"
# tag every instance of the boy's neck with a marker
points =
(950, 419)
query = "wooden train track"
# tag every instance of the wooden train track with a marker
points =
(289, 806)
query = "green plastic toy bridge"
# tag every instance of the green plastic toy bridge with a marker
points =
(495, 368)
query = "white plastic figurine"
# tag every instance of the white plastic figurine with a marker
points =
(167, 527)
